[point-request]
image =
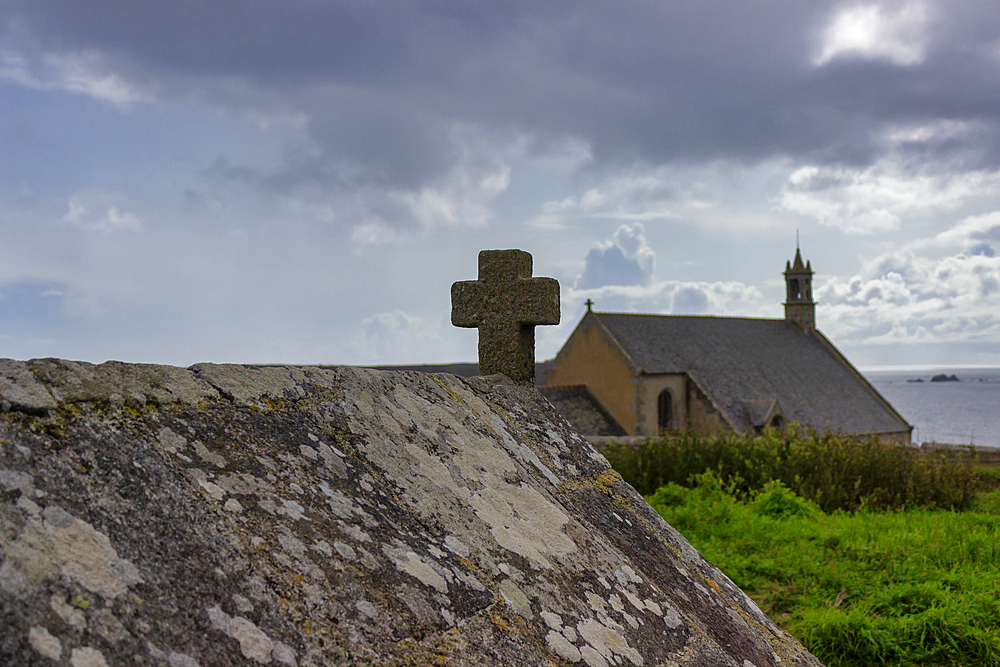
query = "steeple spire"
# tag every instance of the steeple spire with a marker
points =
(797, 264)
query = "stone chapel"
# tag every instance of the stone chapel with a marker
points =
(646, 374)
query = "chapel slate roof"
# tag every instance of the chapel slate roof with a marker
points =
(742, 362)
(582, 410)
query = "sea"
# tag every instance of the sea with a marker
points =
(966, 412)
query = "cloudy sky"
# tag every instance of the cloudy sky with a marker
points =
(301, 181)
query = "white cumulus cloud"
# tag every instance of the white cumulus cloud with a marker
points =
(626, 259)
(98, 211)
(944, 288)
(725, 298)
(81, 72)
(876, 31)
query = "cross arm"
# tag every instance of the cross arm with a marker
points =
(536, 301)
(467, 305)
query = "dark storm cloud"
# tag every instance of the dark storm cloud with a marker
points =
(384, 83)
(263, 39)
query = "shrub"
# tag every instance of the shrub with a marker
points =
(833, 471)
(779, 502)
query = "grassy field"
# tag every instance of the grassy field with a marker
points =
(858, 584)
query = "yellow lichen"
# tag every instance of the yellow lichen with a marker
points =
(449, 390)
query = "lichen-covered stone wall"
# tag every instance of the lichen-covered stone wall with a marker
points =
(231, 515)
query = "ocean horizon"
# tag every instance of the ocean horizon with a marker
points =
(966, 412)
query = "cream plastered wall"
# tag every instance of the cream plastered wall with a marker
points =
(693, 410)
(897, 437)
(704, 418)
(590, 358)
(650, 387)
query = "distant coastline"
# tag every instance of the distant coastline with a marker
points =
(940, 377)
(958, 412)
(926, 369)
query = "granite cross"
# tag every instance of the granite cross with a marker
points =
(506, 304)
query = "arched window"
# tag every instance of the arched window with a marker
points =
(777, 421)
(794, 293)
(665, 410)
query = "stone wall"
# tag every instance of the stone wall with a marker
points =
(228, 515)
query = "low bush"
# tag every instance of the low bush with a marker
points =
(830, 470)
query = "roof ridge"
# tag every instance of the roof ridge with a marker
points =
(704, 317)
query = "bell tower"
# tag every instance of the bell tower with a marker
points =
(799, 306)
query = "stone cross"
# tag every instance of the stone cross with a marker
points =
(506, 304)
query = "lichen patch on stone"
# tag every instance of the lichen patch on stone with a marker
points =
(86, 555)
(213, 490)
(44, 642)
(254, 643)
(412, 564)
(608, 641)
(562, 647)
(70, 615)
(516, 598)
(87, 657)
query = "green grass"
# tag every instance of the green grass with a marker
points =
(915, 587)
(833, 471)
(868, 553)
